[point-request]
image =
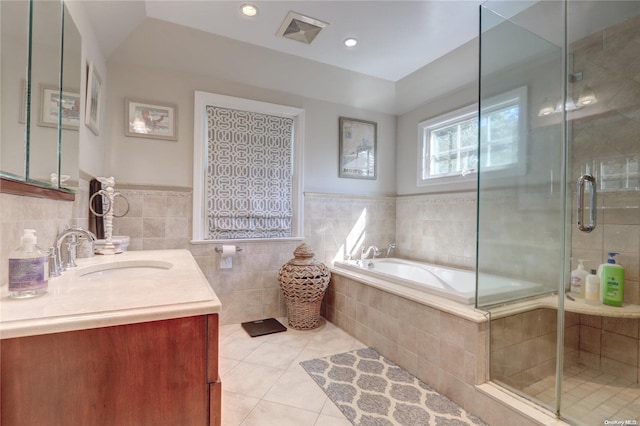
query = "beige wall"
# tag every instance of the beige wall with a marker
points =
(128, 159)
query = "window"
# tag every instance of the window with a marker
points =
(503, 128)
(247, 169)
(448, 144)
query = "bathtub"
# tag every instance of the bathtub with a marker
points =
(457, 285)
(454, 284)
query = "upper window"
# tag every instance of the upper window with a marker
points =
(247, 185)
(448, 144)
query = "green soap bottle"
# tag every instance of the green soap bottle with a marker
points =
(612, 282)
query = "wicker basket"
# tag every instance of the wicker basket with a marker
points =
(303, 282)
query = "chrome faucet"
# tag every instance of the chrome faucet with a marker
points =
(369, 251)
(390, 248)
(73, 233)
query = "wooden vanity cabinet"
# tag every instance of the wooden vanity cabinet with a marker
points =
(152, 373)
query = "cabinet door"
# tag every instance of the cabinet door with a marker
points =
(150, 373)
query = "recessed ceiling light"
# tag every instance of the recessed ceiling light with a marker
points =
(249, 10)
(350, 42)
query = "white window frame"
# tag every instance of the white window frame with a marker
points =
(450, 182)
(497, 102)
(465, 181)
(200, 134)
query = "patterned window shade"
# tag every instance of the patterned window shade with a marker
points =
(249, 174)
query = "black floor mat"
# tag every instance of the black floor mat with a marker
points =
(262, 327)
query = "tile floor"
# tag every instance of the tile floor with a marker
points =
(263, 383)
(591, 396)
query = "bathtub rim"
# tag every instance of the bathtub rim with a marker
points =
(469, 312)
(464, 298)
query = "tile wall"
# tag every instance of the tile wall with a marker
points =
(438, 228)
(445, 351)
(605, 143)
(337, 226)
(157, 218)
(47, 217)
(618, 230)
(160, 218)
(611, 345)
(523, 346)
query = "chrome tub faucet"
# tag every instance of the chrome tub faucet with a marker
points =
(390, 249)
(372, 251)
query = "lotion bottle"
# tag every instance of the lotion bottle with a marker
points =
(28, 268)
(578, 280)
(592, 289)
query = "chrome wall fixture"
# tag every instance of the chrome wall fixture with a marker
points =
(586, 96)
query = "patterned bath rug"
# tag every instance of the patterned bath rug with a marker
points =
(370, 390)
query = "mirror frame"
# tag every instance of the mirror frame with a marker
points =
(16, 187)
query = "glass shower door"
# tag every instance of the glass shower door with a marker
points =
(574, 67)
(521, 193)
(600, 381)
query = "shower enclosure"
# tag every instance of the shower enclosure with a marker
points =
(559, 180)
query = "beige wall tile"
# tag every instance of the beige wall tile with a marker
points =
(619, 348)
(591, 321)
(625, 326)
(590, 339)
(428, 346)
(407, 337)
(153, 228)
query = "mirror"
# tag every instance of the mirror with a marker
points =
(14, 16)
(71, 113)
(46, 38)
(39, 126)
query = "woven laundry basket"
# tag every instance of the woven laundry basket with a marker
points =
(303, 281)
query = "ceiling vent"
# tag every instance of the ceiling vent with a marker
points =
(301, 28)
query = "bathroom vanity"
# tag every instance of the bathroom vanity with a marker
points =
(129, 339)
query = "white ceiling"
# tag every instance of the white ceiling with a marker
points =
(396, 37)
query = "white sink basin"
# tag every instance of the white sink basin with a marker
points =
(125, 269)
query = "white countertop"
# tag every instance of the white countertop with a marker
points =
(76, 302)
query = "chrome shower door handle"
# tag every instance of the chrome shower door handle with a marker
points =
(592, 203)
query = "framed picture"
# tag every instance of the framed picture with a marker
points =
(51, 104)
(22, 116)
(155, 120)
(358, 146)
(93, 100)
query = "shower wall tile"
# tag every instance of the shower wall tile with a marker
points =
(610, 69)
(610, 344)
(523, 346)
(590, 340)
(625, 326)
(620, 348)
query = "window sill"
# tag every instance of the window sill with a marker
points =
(454, 183)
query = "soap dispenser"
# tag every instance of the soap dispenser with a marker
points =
(28, 268)
(612, 279)
(579, 279)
